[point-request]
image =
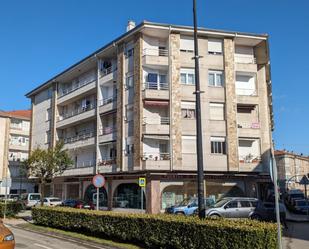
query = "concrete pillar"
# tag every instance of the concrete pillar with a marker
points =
(109, 194)
(231, 106)
(138, 103)
(175, 101)
(153, 197)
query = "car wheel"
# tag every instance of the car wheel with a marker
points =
(255, 217)
(214, 216)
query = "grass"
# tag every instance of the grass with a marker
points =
(104, 242)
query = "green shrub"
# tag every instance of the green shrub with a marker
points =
(12, 208)
(161, 231)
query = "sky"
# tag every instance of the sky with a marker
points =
(40, 38)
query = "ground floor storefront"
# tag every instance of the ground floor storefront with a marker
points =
(162, 190)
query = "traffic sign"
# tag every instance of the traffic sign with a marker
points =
(142, 181)
(304, 180)
(98, 181)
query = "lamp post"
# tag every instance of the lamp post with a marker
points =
(199, 139)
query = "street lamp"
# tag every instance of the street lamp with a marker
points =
(199, 139)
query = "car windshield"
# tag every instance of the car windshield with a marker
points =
(185, 202)
(34, 197)
(221, 203)
(54, 199)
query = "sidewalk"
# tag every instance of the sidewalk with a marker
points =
(296, 217)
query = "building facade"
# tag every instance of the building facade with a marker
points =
(128, 111)
(14, 148)
(291, 168)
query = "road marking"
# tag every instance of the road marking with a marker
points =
(39, 245)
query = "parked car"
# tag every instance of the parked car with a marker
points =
(264, 211)
(50, 201)
(7, 240)
(30, 199)
(301, 206)
(233, 207)
(188, 206)
(78, 204)
(14, 197)
(292, 196)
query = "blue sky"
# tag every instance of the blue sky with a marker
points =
(41, 38)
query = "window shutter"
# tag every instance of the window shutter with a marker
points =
(216, 111)
(217, 139)
(186, 43)
(188, 144)
(215, 45)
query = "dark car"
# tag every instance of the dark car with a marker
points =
(264, 211)
(78, 204)
(301, 206)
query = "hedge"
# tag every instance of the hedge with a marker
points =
(161, 231)
(12, 208)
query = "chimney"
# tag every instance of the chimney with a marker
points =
(131, 25)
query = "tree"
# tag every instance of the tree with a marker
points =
(45, 164)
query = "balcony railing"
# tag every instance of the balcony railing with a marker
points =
(107, 161)
(250, 158)
(83, 164)
(82, 136)
(107, 130)
(76, 111)
(244, 59)
(245, 91)
(155, 51)
(74, 87)
(159, 120)
(106, 71)
(156, 156)
(108, 100)
(248, 125)
(156, 86)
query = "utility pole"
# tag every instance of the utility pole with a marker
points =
(199, 135)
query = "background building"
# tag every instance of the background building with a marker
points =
(14, 147)
(291, 168)
(128, 111)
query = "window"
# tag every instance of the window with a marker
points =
(130, 52)
(245, 204)
(218, 145)
(48, 114)
(245, 83)
(215, 78)
(187, 76)
(249, 149)
(156, 81)
(214, 46)
(187, 110)
(186, 44)
(130, 128)
(216, 111)
(129, 81)
(49, 92)
(189, 144)
(232, 204)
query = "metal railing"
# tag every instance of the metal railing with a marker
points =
(108, 100)
(109, 70)
(156, 86)
(83, 164)
(107, 130)
(155, 51)
(82, 136)
(74, 87)
(107, 161)
(244, 59)
(77, 111)
(156, 156)
(159, 120)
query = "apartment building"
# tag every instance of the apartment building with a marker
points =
(128, 111)
(291, 168)
(14, 147)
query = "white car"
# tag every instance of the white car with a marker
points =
(50, 201)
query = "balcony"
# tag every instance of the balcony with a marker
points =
(19, 146)
(108, 75)
(239, 58)
(108, 104)
(159, 125)
(81, 168)
(76, 90)
(107, 164)
(154, 90)
(155, 57)
(76, 115)
(250, 163)
(156, 161)
(108, 134)
(248, 129)
(81, 140)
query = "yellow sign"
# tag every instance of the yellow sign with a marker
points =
(142, 181)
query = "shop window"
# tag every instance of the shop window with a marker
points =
(91, 193)
(128, 195)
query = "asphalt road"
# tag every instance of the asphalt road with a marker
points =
(31, 240)
(297, 236)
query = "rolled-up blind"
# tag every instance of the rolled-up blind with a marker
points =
(215, 45)
(186, 43)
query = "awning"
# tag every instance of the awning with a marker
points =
(156, 137)
(155, 103)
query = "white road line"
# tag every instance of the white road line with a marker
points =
(42, 246)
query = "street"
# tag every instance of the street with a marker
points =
(297, 236)
(26, 239)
